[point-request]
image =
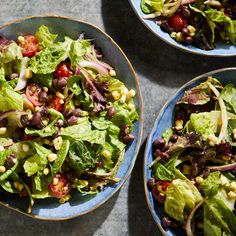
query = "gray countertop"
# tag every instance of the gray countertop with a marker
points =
(161, 69)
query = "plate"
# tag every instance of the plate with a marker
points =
(165, 120)
(50, 209)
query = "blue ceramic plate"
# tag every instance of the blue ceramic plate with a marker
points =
(79, 205)
(165, 120)
(222, 49)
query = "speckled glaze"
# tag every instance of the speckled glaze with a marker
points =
(50, 209)
(222, 49)
(163, 121)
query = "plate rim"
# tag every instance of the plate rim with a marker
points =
(148, 143)
(141, 120)
(180, 47)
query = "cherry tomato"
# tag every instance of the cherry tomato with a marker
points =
(62, 188)
(63, 70)
(177, 21)
(159, 196)
(32, 93)
(30, 45)
(165, 185)
(55, 103)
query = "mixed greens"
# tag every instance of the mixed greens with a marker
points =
(65, 119)
(197, 22)
(194, 166)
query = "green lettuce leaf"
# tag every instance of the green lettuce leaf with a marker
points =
(43, 80)
(181, 195)
(73, 84)
(80, 157)
(149, 6)
(167, 134)
(3, 156)
(211, 184)
(44, 36)
(228, 94)
(218, 218)
(101, 123)
(10, 53)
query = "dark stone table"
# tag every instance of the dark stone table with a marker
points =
(161, 69)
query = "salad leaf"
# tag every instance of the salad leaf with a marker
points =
(80, 157)
(205, 123)
(101, 123)
(149, 6)
(211, 184)
(17, 149)
(45, 37)
(162, 173)
(167, 134)
(6, 174)
(231, 126)
(43, 80)
(3, 156)
(78, 49)
(9, 99)
(181, 195)
(10, 53)
(47, 60)
(218, 218)
(7, 186)
(73, 85)
(228, 94)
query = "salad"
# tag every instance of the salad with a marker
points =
(194, 167)
(65, 119)
(196, 22)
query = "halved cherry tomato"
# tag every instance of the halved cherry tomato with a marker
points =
(177, 22)
(55, 103)
(165, 185)
(32, 93)
(30, 45)
(62, 188)
(63, 70)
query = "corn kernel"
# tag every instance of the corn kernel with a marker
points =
(212, 139)
(131, 106)
(57, 142)
(37, 109)
(62, 200)
(20, 187)
(173, 35)
(179, 124)
(116, 95)
(16, 184)
(84, 113)
(199, 179)
(106, 153)
(60, 95)
(132, 93)
(55, 181)
(226, 157)
(3, 130)
(125, 91)
(21, 39)
(28, 73)
(46, 171)
(52, 157)
(1, 148)
(47, 129)
(231, 194)
(2, 169)
(234, 133)
(186, 169)
(122, 99)
(62, 101)
(233, 185)
(191, 29)
(112, 73)
(46, 141)
(25, 147)
(30, 116)
(192, 34)
(179, 36)
(45, 89)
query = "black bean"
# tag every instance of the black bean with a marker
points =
(36, 119)
(165, 26)
(44, 111)
(166, 222)
(124, 130)
(165, 148)
(43, 97)
(3, 122)
(174, 138)
(72, 120)
(185, 32)
(165, 156)
(151, 183)
(56, 133)
(159, 143)
(24, 120)
(185, 11)
(10, 161)
(99, 163)
(77, 112)
(188, 40)
(111, 112)
(158, 153)
(54, 84)
(60, 83)
(68, 113)
(128, 138)
(19, 134)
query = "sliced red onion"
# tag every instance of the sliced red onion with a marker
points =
(77, 71)
(27, 102)
(222, 168)
(22, 82)
(94, 66)
(190, 217)
(185, 2)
